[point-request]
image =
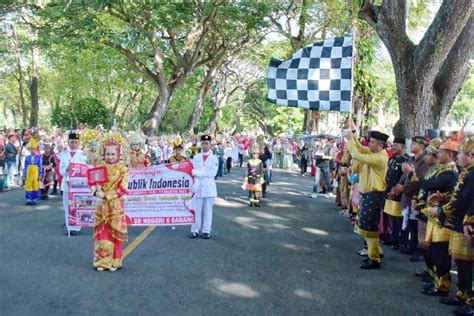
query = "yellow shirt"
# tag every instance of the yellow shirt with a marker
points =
(374, 166)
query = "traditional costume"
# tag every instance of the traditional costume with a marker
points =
(110, 225)
(441, 178)
(254, 179)
(49, 165)
(454, 215)
(392, 207)
(177, 148)
(372, 187)
(136, 157)
(32, 173)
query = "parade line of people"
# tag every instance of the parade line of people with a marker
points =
(418, 201)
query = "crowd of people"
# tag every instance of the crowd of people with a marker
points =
(418, 200)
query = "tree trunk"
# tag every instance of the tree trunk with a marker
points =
(428, 75)
(313, 122)
(34, 82)
(198, 106)
(157, 112)
(20, 78)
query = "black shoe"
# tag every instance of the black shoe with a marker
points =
(452, 301)
(417, 258)
(28, 203)
(74, 233)
(206, 236)
(193, 235)
(434, 292)
(422, 274)
(251, 204)
(464, 310)
(257, 205)
(370, 264)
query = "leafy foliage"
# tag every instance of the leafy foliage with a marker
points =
(89, 112)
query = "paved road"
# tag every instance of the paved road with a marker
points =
(293, 256)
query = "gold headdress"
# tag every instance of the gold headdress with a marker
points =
(112, 139)
(468, 145)
(136, 138)
(90, 137)
(434, 145)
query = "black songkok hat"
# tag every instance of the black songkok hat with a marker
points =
(73, 135)
(399, 140)
(420, 140)
(432, 134)
(205, 137)
(378, 136)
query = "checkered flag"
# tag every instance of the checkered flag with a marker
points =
(316, 77)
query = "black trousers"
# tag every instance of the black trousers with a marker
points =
(241, 159)
(228, 164)
(440, 257)
(464, 276)
(304, 165)
(395, 228)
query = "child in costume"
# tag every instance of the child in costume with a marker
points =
(32, 173)
(137, 158)
(178, 152)
(48, 171)
(110, 225)
(254, 179)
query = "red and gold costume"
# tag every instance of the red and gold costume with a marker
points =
(138, 159)
(110, 227)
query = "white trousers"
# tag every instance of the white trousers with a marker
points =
(66, 213)
(203, 211)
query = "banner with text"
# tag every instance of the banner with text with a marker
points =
(157, 196)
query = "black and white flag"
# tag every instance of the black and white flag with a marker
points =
(316, 77)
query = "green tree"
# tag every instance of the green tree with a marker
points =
(89, 112)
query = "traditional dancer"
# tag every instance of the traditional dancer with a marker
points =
(177, 152)
(254, 179)
(32, 173)
(110, 225)
(137, 158)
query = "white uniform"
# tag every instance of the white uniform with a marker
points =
(65, 160)
(205, 191)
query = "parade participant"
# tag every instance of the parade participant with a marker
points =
(443, 181)
(265, 156)
(136, 157)
(205, 168)
(93, 154)
(304, 158)
(177, 152)
(110, 224)
(452, 215)
(32, 173)
(49, 165)
(277, 154)
(254, 179)
(286, 155)
(11, 153)
(392, 207)
(57, 161)
(372, 189)
(218, 151)
(228, 156)
(71, 155)
(194, 149)
(408, 188)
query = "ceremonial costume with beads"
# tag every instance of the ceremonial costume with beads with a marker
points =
(110, 224)
(452, 216)
(440, 178)
(372, 190)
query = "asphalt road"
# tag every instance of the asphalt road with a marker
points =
(293, 256)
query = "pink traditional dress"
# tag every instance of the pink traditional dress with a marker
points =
(110, 227)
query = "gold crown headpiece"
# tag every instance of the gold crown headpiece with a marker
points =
(112, 139)
(468, 145)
